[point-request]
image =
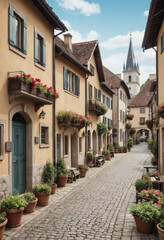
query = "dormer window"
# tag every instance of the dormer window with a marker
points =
(92, 69)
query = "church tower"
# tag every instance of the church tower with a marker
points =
(131, 72)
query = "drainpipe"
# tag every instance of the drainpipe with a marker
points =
(86, 130)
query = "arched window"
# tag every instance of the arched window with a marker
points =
(130, 78)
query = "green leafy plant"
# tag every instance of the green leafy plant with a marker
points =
(49, 173)
(147, 211)
(64, 116)
(152, 145)
(106, 153)
(141, 184)
(14, 202)
(102, 128)
(29, 196)
(154, 161)
(82, 167)
(116, 146)
(125, 147)
(42, 188)
(61, 167)
(2, 217)
(110, 147)
(146, 176)
(132, 131)
(100, 106)
(151, 194)
(128, 125)
(89, 157)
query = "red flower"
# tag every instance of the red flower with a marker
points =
(24, 74)
(37, 80)
(28, 75)
(17, 76)
(44, 85)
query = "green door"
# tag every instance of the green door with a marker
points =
(18, 154)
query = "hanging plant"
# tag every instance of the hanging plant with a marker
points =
(130, 116)
(128, 126)
(102, 128)
(132, 131)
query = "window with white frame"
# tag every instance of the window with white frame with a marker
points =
(142, 110)
(71, 82)
(44, 135)
(66, 145)
(2, 125)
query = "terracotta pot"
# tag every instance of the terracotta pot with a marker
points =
(160, 232)
(121, 150)
(14, 217)
(143, 227)
(43, 198)
(108, 158)
(83, 173)
(2, 228)
(116, 150)
(53, 188)
(125, 150)
(62, 180)
(31, 206)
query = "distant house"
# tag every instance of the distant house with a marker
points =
(154, 37)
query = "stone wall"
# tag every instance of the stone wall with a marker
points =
(37, 173)
(5, 186)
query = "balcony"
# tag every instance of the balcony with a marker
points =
(97, 107)
(20, 87)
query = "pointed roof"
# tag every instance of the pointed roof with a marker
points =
(131, 62)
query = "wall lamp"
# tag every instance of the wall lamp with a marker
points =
(42, 114)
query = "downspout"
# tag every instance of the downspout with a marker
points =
(54, 103)
(86, 109)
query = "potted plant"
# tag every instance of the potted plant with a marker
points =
(160, 226)
(146, 176)
(149, 123)
(42, 192)
(145, 215)
(130, 116)
(121, 149)
(83, 170)
(32, 201)
(150, 195)
(3, 222)
(128, 126)
(14, 206)
(89, 158)
(142, 184)
(106, 154)
(110, 147)
(49, 176)
(62, 172)
(125, 149)
(117, 148)
(132, 131)
(154, 161)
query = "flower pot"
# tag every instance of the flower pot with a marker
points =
(53, 188)
(112, 153)
(2, 228)
(160, 232)
(125, 150)
(62, 180)
(31, 206)
(43, 198)
(121, 150)
(14, 217)
(108, 158)
(83, 173)
(143, 227)
(116, 150)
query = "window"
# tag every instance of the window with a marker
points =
(142, 120)
(71, 82)
(2, 124)
(104, 120)
(111, 104)
(99, 95)
(90, 92)
(120, 115)
(142, 110)
(123, 116)
(40, 48)
(120, 94)
(162, 42)
(130, 78)
(44, 135)
(92, 69)
(121, 135)
(80, 144)
(17, 29)
(66, 145)
(58, 145)
(104, 99)
(95, 93)
(108, 102)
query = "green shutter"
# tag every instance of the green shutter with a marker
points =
(36, 47)
(24, 36)
(11, 26)
(44, 52)
(78, 85)
(65, 78)
(162, 42)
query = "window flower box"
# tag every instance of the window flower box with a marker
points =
(97, 107)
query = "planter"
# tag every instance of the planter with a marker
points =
(31, 206)
(14, 217)
(112, 153)
(2, 228)
(125, 150)
(53, 188)
(43, 198)
(108, 158)
(143, 227)
(160, 232)
(121, 150)
(62, 180)
(83, 173)
(116, 150)
(148, 199)
(149, 124)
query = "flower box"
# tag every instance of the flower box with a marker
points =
(97, 107)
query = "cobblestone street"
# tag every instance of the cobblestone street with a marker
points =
(96, 207)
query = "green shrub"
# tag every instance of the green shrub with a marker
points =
(29, 196)
(141, 184)
(89, 157)
(61, 167)
(2, 217)
(14, 202)
(102, 128)
(147, 211)
(42, 188)
(49, 173)
(152, 145)
(110, 147)
(83, 167)
(146, 176)
(106, 153)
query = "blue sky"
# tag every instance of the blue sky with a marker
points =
(109, 22)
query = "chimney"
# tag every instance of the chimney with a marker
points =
(68, 40)
(118, 75)
(152, 76)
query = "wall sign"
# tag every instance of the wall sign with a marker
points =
(8, 146)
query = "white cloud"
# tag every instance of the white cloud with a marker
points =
(146, 13)
(121, 41)
(82, 6)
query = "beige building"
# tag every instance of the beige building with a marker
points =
(26, 53)
(154, 37)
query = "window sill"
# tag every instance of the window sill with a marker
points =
(39, 66)
(66, 91)
(66, 156)
(17, 51)
(44, 146)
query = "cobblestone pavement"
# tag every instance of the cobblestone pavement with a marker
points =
(96, 207)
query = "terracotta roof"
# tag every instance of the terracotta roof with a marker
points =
(143, 98)
(49, 14)
(155, 18)
(113, 81)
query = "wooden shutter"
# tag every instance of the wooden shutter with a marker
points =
(162, 42)
(36, 47)
(99, 95)
(111, 104)
(11, 26)
(44, 53)
(65, 78)
(78, 85)
(25, 36)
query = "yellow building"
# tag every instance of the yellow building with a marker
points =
(26, 53)
(154, 37)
